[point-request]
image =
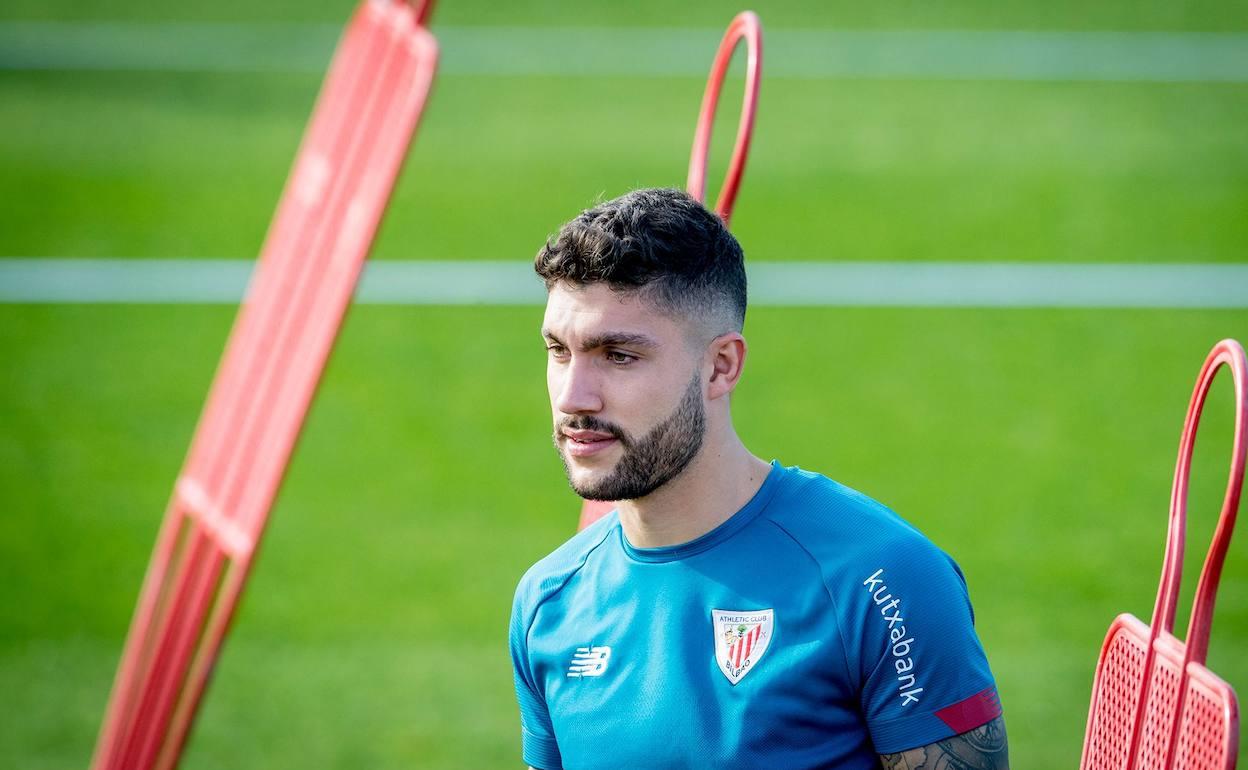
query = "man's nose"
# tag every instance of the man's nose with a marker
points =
(578, 388)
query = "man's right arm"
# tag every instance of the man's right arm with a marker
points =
(538, 742)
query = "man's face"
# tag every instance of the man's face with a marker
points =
(625, 392)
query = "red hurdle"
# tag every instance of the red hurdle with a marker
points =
(365, 117)
(1155, 706)
(745, 26)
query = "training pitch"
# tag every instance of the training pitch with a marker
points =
(1034, 444)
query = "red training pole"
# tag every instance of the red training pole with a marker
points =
(355, 144)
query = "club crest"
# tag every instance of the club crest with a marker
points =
(741, 638)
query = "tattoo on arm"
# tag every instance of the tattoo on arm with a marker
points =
(983, 748)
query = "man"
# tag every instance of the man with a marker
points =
(728, 612)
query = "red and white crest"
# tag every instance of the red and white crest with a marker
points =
(741, 638)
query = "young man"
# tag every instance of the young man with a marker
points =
(728, 612)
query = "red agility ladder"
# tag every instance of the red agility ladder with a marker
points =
(1154, 704)
(364, 120)
(745, 26)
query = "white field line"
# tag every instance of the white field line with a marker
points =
(866, 284)
(644, 52)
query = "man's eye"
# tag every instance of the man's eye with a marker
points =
(616, 357)
(556, 350)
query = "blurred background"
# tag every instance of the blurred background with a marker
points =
(1035, 443)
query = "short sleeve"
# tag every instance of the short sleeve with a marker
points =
(538, 736)
(926, 675)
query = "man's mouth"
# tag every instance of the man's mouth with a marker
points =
(584, 443)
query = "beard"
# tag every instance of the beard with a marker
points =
(650, 461)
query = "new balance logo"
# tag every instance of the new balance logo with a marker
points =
(589, 661)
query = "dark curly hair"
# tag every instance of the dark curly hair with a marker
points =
(661, 243)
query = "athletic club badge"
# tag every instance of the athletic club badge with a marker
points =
(741, 638)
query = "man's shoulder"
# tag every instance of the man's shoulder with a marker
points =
(545, 578)
(813, 507)
(836, 524)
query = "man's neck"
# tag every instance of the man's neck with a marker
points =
(715, 485)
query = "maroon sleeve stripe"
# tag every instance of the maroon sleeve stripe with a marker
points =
(977, 710)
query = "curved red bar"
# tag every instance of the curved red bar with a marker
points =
(1154, 703)
(745, 26)
(422, 8)
(1229, 353)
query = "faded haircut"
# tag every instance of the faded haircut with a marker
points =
(660, 243)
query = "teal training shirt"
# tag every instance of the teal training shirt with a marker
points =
(813, 629)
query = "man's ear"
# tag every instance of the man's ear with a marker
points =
(726, 356)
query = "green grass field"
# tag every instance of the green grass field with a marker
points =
(1035, 445)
